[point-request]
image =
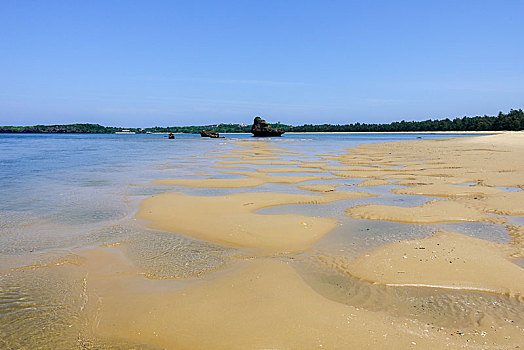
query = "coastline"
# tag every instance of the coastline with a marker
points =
(407, 132)
(259, 299)
(287, 132)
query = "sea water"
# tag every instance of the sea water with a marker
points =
(61, 192)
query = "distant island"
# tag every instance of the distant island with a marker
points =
(514, 121)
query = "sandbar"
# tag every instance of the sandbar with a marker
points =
(433, 212)
(373, 182)
(249, 179)
(288, 170)
(258, 162)
(231, 219)
(320, 187)
(449, 191)
(442, 260)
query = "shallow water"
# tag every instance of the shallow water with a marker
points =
(58, 190)
(64, 192)
(433, 307)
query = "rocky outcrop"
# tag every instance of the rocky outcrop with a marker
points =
(261, 128)
(212, 134)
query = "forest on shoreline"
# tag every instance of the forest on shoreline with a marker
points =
(512, 121)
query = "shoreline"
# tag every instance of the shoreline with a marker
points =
(287, 132)
(234, 305)
(408, 132)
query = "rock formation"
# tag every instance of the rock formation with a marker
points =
(212, 134)
(261, 128)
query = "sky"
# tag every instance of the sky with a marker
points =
(166, 63)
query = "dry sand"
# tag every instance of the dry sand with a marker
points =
(231, 220)
(435, 167)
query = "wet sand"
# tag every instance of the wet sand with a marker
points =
(444, 260)
(260, 304)
(434, 212)
(249, 179)
(231, 220)
(259, 299)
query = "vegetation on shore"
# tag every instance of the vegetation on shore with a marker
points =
(69, 128)
(514, 120)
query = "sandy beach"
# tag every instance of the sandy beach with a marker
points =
(267, 296)
(261, 175)
(262, 302)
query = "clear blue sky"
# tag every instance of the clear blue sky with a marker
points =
(147, 63)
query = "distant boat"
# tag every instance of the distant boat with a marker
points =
(125, 131)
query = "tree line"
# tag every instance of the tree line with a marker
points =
(514, 121)
(68, 128)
